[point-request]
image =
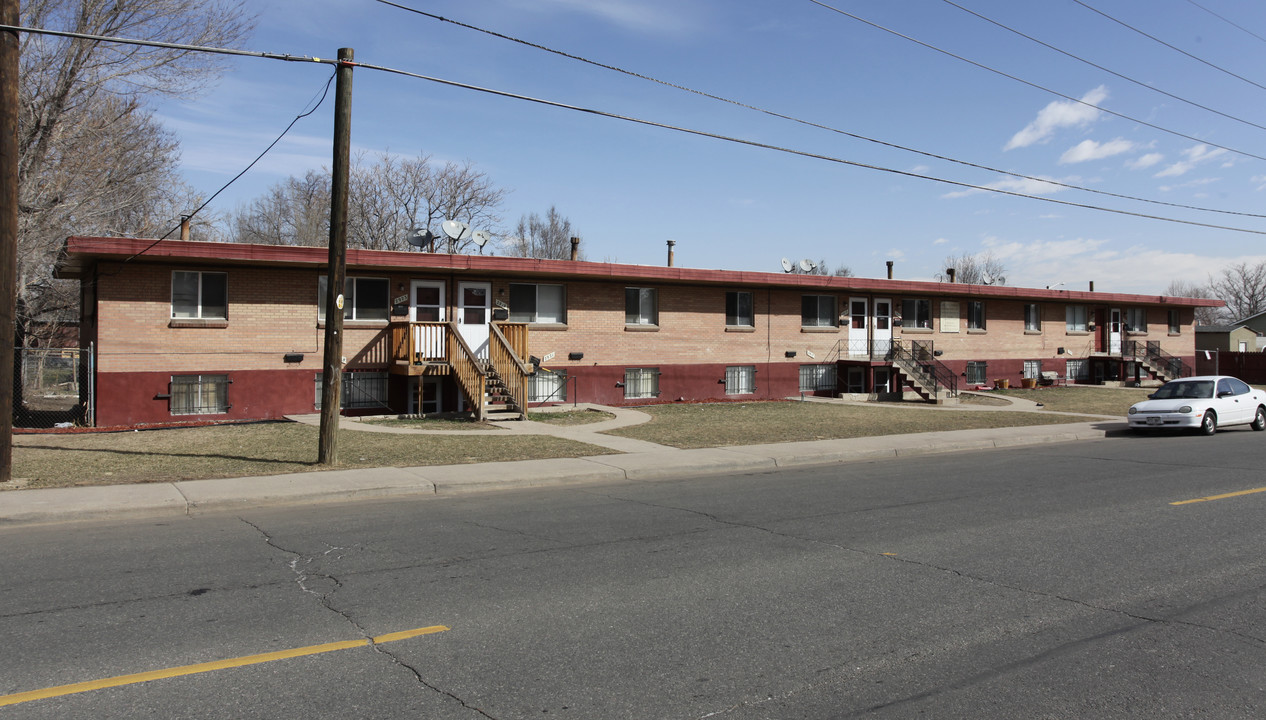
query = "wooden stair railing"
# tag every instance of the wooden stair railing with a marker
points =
(509, 365)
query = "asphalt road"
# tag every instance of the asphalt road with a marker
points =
(1046, 582)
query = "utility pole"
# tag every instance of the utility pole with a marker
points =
(9, 47)
(332, 364)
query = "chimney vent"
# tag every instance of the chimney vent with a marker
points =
(575, 248)
(671, 243)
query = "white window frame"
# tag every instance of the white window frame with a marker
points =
(361, 389)
(916, 319)
(1032, 317)
(824, 311)
(200, 311)
(1136, 314)
(818, 377)
(352, 309)
(641, 306)
(1077, 318)
(540, 296)
(206, 395)
(740, 380)
(1032, 369)
(976, 315)
(734, 310)
(977, 372)
(641, 383)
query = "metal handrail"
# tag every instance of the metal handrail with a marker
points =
(919, 361)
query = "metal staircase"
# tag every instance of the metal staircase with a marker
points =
(929, 377)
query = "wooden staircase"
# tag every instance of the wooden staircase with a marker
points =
(499, 402)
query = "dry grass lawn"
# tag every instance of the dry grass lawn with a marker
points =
(254, 449)
(57, 460)
(725, 424)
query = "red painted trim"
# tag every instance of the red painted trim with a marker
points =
(81, 252)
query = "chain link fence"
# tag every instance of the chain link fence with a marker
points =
(52, 387)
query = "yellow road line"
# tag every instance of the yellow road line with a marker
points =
(211, 666)
(1219, 497)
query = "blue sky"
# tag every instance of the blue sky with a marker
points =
(629, 188)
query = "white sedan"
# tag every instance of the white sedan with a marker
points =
(1205, 403)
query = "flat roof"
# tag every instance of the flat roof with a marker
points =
(81, 253)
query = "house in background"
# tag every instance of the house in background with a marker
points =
(1228, 338)
(205, 331)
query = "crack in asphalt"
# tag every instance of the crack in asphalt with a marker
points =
(302, 575)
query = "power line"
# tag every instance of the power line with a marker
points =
(1171, 47)
(1228, 22)
(665, 126)
(790, 151)
(808, 123)
(1037, 86)
(1127, 78)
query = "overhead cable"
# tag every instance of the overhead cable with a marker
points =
(810, 123)
(674, 128)
(1127, 78)
(1175, 48)
(1228, 22)
(1031, 84)
(790, 151)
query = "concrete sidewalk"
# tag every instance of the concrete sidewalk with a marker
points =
(641, 461)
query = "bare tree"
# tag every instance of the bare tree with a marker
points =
(536, 237)
(295, 211)
(1243, 288)
(387, 200)
(824, 268)
(974, 269)
(92, 158)
(1184, 289)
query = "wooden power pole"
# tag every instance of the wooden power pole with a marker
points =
(9, 47)
(332, 364)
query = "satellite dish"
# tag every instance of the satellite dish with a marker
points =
(481, 238)
(807, 265)
(421, 238)
(786, 265)
(455, 229)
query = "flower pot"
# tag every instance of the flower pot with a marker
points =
(1028, 383)
(1002, 383)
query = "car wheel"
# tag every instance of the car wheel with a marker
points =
(1259, 420)
(1209, 425)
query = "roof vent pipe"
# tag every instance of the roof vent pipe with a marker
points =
(1092, 286)
(184, 227)
(575, 248)
(671, 243)
(950, 272)
(889, 269)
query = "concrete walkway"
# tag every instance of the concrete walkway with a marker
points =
(639, 461)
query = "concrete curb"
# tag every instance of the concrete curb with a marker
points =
(204, 496)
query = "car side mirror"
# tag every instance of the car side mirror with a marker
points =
(1151, 396)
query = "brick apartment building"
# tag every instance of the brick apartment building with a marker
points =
(197, 331)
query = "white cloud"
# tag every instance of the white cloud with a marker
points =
(1088, 150)
(940, 241)
(1059, 114)
(1145, 161)
(1024, 186)
(1194, 156)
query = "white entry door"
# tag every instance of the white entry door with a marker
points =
(882, 324)
(474, 312)
(427, 306)
(858, 333)
(1114, 332)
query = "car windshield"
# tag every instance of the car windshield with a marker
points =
(1185, 389)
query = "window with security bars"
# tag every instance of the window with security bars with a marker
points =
(1032, 369)
(547, 386)
(360, 390)
(977, 371)
(817, 378)
(740, 380)
(199, 394)
(641, 383)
